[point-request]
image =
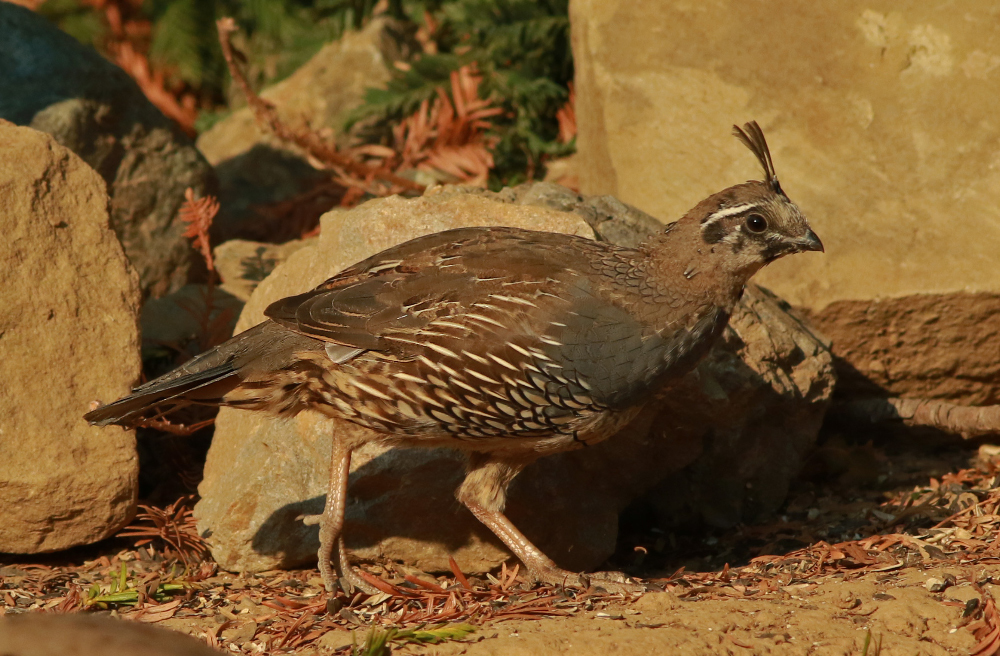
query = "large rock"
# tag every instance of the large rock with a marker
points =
(936, 346)
(68, 337)
(54, 84)
(255, 168)
(750, 412)
(880, 116)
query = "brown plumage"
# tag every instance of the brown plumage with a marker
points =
(508, 344)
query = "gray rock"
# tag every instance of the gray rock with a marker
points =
(68, 338)
(54, 84)
(745, 416)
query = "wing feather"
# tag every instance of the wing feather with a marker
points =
(403, 289)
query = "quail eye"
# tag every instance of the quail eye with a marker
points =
(756, 223)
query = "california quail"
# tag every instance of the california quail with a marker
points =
(508, 344)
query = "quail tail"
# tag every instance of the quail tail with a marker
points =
(205, 379)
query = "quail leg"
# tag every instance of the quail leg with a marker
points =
(540, 566)
(484, 492)
(331, 525)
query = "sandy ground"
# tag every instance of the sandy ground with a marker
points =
(829, 618)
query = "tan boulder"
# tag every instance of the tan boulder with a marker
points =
(880, 119)
(880, 116)
(754, 408)
(68, 337)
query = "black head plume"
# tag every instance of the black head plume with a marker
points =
(753, 138)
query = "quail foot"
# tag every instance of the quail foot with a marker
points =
(506, 344)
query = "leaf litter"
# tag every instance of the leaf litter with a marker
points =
(166, 576)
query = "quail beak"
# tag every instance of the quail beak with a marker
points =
(809, 242)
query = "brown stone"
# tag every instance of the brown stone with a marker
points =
(938, 346)
(751, 411)
(880, 116)
(68, 338)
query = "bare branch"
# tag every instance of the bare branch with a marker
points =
(967, 421)
(266, 116)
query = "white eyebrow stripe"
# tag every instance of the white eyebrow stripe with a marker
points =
(728, 211)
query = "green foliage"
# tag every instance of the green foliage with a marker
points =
(522, 48)
(377, 642)
(123, 593)
(76, 19)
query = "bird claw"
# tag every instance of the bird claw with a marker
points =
(350, 580)
(311, 520)
(615, 582)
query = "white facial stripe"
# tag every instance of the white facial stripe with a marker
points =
(727, 211)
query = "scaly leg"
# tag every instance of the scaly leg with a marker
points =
(331, 525)
(484, 492)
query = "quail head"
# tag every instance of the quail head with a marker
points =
(506, 344)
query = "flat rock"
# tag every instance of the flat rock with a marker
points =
(880, 118)
(68, 337)
(754, 408)
(54, 84)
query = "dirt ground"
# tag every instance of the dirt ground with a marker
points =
(826, 618)
(889, 545)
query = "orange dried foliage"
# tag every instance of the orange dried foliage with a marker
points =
(128, 44)
(174, 525)
(449, 136)
(379, 180)
(198, 214)
(567, 117)
(987, 630)
(181, 430)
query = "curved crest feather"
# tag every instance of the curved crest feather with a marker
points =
(753, 138)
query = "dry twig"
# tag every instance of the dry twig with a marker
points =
(967, 421)
(323, 151)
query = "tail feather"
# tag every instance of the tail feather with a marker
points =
(159, 396)
(207, 377)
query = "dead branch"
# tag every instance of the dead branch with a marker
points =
(267, 117)
(967, 421)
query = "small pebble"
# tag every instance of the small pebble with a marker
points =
(935, 584)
